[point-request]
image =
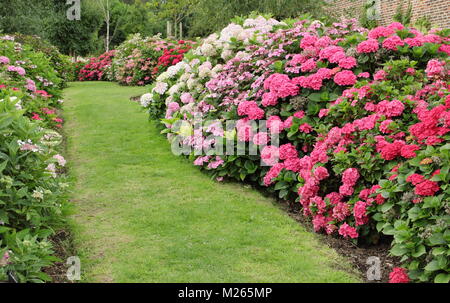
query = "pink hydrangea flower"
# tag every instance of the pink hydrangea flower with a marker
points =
(347, 231)
(4, 60)
(261, 138)
(275, 125)
(368, 46)
(398, 275)
(287, 151)
(269, 99)
(305, 128)
(435, 68)
(187, 98)
(350, 176)
(344, 78)
(393, 42)
(308, 66)
(381, 31)
(270, 155)
(384, 126)
(380, 75)
(321, 173)
(348, 62)
(273, 172)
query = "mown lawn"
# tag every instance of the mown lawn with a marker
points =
(145, 215)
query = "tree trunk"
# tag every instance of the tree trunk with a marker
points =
(107, 25)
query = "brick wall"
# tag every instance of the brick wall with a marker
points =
(437, 11)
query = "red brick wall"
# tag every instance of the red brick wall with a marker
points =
(437, 11)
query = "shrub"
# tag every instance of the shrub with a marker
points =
(31, 183)
(61, 63)
(356, 112)
(21, 64)
(171, 56)
(136, 59)
(98, 68)
(139, 60)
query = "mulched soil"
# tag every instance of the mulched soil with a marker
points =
(356, 254)
(63, 247)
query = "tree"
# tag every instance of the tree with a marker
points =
(77, 37)
(174, 11)
(26, 17)
(222, 11)
(113, 12)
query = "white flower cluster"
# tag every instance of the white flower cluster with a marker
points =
(185, 82)
(146, 99)
(160, 87)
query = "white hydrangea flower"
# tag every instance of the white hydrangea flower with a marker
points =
(38, 195)
(146, 99)
(160, 88)
(241, 55)
(194, 62)
(182, 85)
(197, 51)
(172, 71)
(218, 68)
(232, 30)
(204, 70)
(174, 89)
(184, 77)
(60, 159)
(191, 83)
(163, 77)
(227, 54)
(208, 50)
(187, 108)
(212, 38)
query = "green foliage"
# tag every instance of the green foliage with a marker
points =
(30, 194)
(38, 66)
(75, 37)
(401, 16)
(368, 15)
(26, 17)
(222, 11)
(423, 24)
(29, 254)
(61, 63)
(31, 188)
(420, 226)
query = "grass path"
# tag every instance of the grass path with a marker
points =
(145, 215)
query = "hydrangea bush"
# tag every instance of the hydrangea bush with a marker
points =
(61, 63)
(98, 68)
(31, 170)
(136, 61)
(362, 119)
(140, 59)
